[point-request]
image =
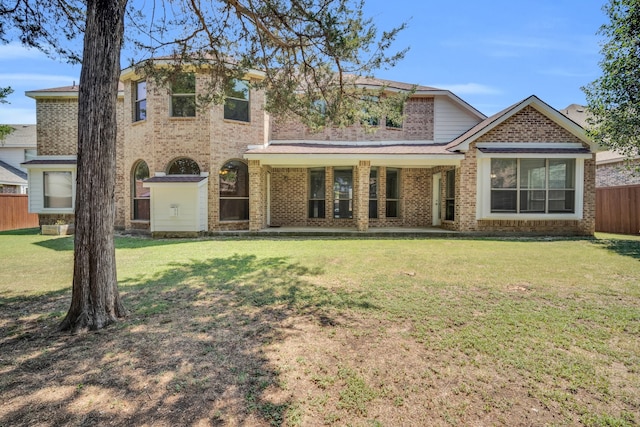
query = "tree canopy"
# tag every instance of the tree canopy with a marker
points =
(613, 99)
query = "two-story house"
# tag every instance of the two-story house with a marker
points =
(184, 170)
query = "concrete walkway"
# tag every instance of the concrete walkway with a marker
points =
(344, 232)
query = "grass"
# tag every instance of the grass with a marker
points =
(330, 332)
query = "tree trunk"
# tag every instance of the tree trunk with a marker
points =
(95, 302)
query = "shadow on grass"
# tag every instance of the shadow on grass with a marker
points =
(193, 350)
(621, 246)
(21, 232)
(121, 242)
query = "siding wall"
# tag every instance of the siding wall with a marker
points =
(451, 121)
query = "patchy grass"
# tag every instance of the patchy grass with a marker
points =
(329, 332)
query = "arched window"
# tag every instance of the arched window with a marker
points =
(183, 166)
(234, 191)
(140, 195)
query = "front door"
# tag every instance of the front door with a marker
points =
(436, 210)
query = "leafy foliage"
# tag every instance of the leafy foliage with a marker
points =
(5, 129)
(308, 52)
(614, 98)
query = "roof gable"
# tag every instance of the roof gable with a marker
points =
(528, 113)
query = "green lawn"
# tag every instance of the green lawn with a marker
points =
(351, 331)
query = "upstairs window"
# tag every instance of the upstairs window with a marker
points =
(183, 96)
(369, 118)
(236, 103)
(395, 118)
(140, 101)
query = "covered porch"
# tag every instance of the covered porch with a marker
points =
(362, 188)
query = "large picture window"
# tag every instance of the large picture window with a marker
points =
(234, 191)
(140, 101)
(316, 193)
(58, 190)
(393, 193)
(183, 96)
(343, 193)
(236, 103)
(532, 186)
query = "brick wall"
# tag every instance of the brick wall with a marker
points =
(529, 125)
(619, 173)
(418, 125)
(57, 129)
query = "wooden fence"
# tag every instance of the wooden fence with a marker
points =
(618, 209)
(14, 212)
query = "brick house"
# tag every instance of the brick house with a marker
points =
(181, 170)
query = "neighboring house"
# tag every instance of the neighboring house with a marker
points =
(527, 169)
(17, 147)
(612, 168)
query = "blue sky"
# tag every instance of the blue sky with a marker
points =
(490, 53)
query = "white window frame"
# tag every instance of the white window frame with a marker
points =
(36, 187)
(483, 196)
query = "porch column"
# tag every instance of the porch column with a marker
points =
(256, 196)
(362, 195)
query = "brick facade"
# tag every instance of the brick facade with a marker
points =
(278, 195)
(418, 125)
(618, 173)
(529, 125)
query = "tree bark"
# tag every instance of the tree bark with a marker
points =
(95, 302)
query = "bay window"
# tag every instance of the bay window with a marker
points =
(532, 186)
(58, 189)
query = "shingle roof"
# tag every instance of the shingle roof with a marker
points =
(21, 136)
(11, 175)
(351, 149)
(51, 162)
(176, 178)
(523, 150)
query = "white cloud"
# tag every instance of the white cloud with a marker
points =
(17, 51)
(469, 89)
